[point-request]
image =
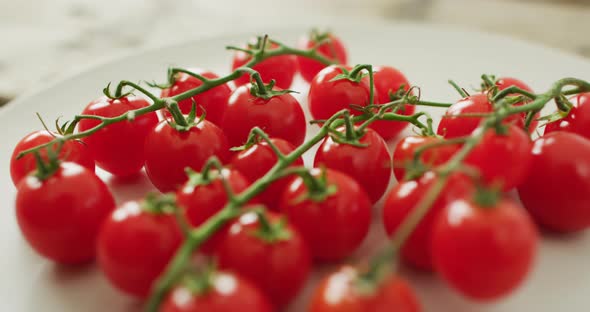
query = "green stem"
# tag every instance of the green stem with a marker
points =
(257, 78)
(261, 134)
(137, 87)
(458, 89)
(428, 103)
(176, 70)
(357, 71)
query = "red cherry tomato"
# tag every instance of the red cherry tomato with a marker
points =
(333, 49)
(169, 151)
(557, 189)
(339, 292)
(403, 155)
(213, 101)
(72, 151)
(227, 293)
(61, 216)
(135, 246)
(370, 165)
(257, 160)
(276, 260)
(280, 117)
(334, 227)
(201, 202)
(388, 79)
(517, 119)
(484, 252)
(502, 159)
(453, 126)
(118, 148)
(401, 201)
(327, 97)
(280, 68)
(578, 118)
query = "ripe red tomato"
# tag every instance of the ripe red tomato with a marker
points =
(280, 117)
(72, 151)
(201, 202)
(517, 119)
(556, 191)
(327, 97)
(169, 151)
(403, 155)
(335, 226)
(370, 165)
(213, 101)
(277, 260)
(61, 216)
(280, 68)
(227, 292)
(578, 118)
(388, 79)
(332, 49)
(135, 245)
(458, 126)
(484, 252)
(503, 159)
(339, 292)
(401, 201)
(257, 160)
(118, 148)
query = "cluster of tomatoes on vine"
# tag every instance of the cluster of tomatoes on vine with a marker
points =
(204, 149)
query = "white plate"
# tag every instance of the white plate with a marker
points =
(429, 55)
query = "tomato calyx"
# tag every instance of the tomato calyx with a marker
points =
(200, 281)
(118, 92)
(486, 196)
(351, 134)
(270, 231)
(318, 189)
(266, 91)
(355, 75)
(160, 204)
(46, 168)
(181, 122)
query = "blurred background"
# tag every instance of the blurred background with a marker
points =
(43, 40)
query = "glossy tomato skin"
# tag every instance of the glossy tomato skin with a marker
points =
(280, 117)
(335, 227)
(577, 120)
(388, 79)
(403, 155)
(556, 191)
(135, 246)
(503, 159)
(279, 268)
(169, 151)
(118, 148)
(213, 101)
(517, 119)
(327, 97)
(228, 293)
(333, 49)
(370, 166)
(402, 200)
(201, 202)
(257, 160)
(484, 252)
(457, 126)
(72, 151)
(337, 293)
(281, 68)
(59, 223)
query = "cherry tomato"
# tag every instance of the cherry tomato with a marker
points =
(118, 148)
(276, 259)
(403, 155)
(339, 292)
(502, 159)
(401, 201)
(281, 68)
(227, 293)
(280, 117)
(169, 151)
(484, 252)
(213, 101)
(61, 216)
(135, 246)
(327, 97)
(578, 118)
(335, 226)
(257, 160)
(72, 151)
(369, 165)
(332, 49)
(453, 126)
(201, 202)
(556, 191)
(388, 79)
(517, 119)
